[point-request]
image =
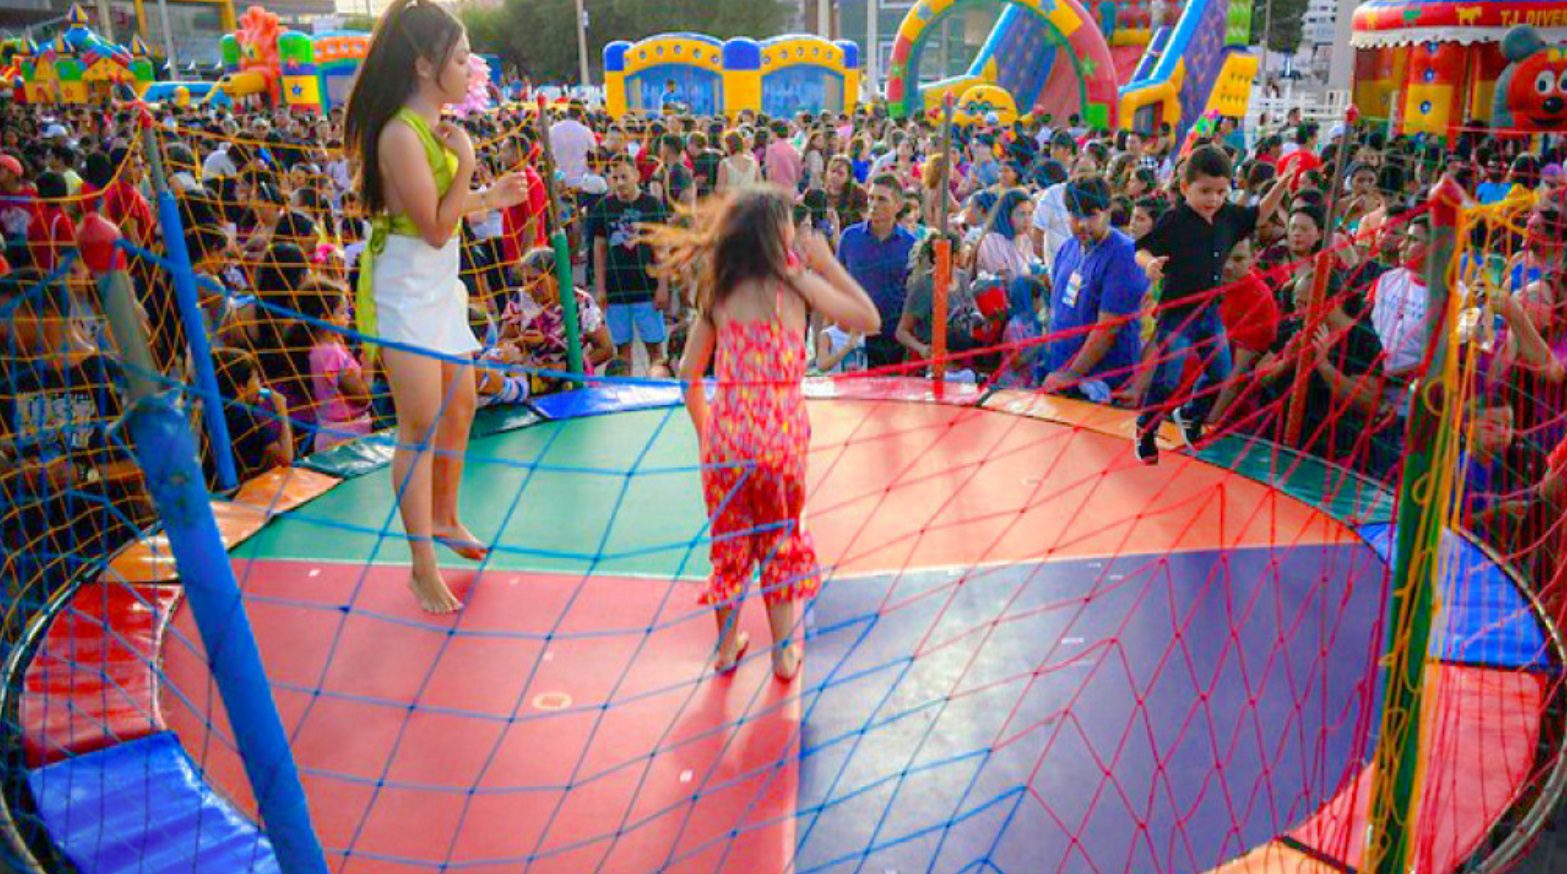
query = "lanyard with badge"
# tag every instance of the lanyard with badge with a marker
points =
(1074, 282)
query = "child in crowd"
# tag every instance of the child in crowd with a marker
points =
(1202, 231)
(838, 350)
(535, 325)
(338, 388)
(1023, 327)
(258, 424)
(502, 383)
(1251, 320)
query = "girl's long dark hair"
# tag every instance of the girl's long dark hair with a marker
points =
(728, 240)
(407, 31)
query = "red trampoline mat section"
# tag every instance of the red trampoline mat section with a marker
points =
(1479, 747)
(89, 687)
(900, 485)
(702, 773)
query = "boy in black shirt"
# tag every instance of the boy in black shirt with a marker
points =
(1201, 231)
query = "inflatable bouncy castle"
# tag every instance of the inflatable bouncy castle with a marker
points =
(311, 73)
(1131, 64)
(79, 66)
(707, 76)
(1432, 67)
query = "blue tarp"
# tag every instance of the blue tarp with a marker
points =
(142, 807)
(1485, 620)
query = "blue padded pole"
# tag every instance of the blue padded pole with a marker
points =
(165, 450)
(190, 314)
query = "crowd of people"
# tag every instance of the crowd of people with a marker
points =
(1185, 279)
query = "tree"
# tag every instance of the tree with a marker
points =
(1283, 20)
(365, 23)
(540, 38)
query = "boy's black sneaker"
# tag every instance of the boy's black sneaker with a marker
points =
(1146, 447)
(1191, 427)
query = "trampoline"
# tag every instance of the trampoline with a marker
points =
(1031, 653)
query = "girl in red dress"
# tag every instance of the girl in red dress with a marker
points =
(753, 303)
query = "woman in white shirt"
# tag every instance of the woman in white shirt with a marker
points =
(738, 169)
(1005, 250)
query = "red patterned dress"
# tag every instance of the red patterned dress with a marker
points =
(753, 465)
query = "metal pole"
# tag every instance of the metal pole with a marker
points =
(1267, 35)
(1431, 439)
(582, 47)
(568, 290)
(189, 308)
(105, 22)
(941, 280)
(872, 49)
(1315, 310)
(824, 18)
(168, 39)
(166, 451)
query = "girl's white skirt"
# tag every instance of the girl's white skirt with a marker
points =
(419, 299)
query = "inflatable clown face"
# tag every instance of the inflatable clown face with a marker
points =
(1531, 94)
(985, 104)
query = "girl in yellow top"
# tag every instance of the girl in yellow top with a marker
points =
(415, 175)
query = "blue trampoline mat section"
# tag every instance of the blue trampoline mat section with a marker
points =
(1488, 621)
(142, 807)
(1194, 678)
(605, 398)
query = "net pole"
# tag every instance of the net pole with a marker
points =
(1315, 310)
(189, 307)
(1424, 496)
(165, 450)
(941, 279)
(568, 291)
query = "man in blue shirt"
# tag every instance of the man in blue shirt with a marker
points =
(1096, 294)
(876, 254)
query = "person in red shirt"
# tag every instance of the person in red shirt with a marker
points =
(51, 230)
(115, 177)
(1251, 319)
(522, 226)
(18, 205)
(1304, 156)
(124, 203)
(647, 156)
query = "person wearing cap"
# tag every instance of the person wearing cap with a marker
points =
(16, 204)
(1051, 226)
(1552, 178)
(1095, 296)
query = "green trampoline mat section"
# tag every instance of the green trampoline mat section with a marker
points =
(1346, 496)
(614, 494)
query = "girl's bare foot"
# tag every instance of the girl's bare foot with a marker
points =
(727, 661)
(431, 592)
(786, 662)
(460, 540)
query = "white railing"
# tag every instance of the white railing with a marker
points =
(1323, 107)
